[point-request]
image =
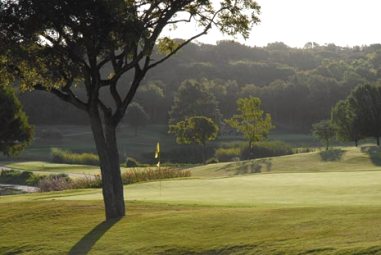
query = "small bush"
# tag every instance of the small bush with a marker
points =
(265, 149)
(213, 160)
(131, 162)
(303, 150)
(55, 183)
(134, 175)
(67, 157)
(190, 154)
(19, 177)
(227, 154)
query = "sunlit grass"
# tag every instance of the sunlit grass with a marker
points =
(309, 203)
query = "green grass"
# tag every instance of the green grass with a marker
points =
(340, 159)
(308, 203)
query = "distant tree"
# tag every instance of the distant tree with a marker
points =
(56, 46)
(251, 121)
(197, 130)
(152, 98)
(347, 123)
(136, 117)
(194, 99)
(324, 131)
(15, 131)
(365, 100)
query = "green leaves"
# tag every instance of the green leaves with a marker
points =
(251, 121)
(197, 129)
(15, 131)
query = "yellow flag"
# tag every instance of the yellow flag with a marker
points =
(157, 152)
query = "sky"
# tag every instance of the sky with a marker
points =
(295, 22)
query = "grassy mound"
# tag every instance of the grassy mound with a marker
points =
(366, 158)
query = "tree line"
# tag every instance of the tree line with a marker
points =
(297, 86)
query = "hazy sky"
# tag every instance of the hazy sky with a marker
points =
(295, 22)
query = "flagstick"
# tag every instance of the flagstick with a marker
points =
(160, 174)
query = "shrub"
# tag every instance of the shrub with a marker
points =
(213, 160)
(55, 183)
(190, 153)
(265, 149)
(303, 150)
(227, 154)
(67, 157)
(19, 177)
(149, 174)
(131, 162)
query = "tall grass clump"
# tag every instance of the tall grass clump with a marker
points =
(64, 182)
(87, 182)
(67, 157)
(149, 174)
(55, 183)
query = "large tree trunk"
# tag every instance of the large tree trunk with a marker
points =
(112, 186)
(378, 140)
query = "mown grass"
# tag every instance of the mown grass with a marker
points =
(76, 227)
(328, 207)
(335, 160)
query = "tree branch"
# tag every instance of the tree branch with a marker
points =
(69, 96)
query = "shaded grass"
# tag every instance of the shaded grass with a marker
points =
(176, 229)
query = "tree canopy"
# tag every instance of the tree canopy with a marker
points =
(15, 130)
(365, 100)
(324, 131)
(196, 129)
(56, 46)
(347, 122)
(194, 99)
(251, 121)
(136, 117)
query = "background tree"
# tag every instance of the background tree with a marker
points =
(197, 130)
(15, 131)
(347, 123)
(136, 117)
(193, 99)
(152, 98)
(56, 45)
(324, 131)
(251, 121)
(365, 100)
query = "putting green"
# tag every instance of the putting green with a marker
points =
(284, 190)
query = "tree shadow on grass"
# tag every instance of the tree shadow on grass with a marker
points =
(84, 245)
(374, 153)
(332, 155)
